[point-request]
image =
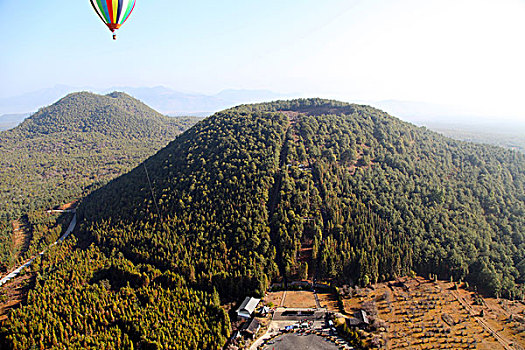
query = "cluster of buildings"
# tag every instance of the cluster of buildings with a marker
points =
(250, 327)
(246, 311)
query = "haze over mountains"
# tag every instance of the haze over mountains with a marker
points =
(162, 99)
(172, 102)
(451, 121)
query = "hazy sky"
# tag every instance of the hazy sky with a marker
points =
(469, 53)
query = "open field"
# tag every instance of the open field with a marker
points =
(299, 299)
(421, 314)
(415, 313)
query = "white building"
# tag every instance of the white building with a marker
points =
(247, 307)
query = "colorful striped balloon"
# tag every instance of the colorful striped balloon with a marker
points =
(113, 12)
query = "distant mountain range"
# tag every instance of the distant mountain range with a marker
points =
(451, 121)
(172, 102)
(162, 99)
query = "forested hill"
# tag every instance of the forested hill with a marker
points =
(341, 191)
(116, 114)
(275, 191)
(66, 149)
(83, 138)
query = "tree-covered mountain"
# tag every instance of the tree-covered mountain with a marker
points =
(339, 192)
(80, 142)
(372, 195)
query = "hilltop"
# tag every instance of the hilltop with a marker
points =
(282, 191)
(81, 138)
(65, 150)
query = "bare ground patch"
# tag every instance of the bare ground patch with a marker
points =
(274, 298)
(328, 301)
(15, 293)
(299, 299)
(421, 314)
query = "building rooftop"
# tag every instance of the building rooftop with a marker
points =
(248, 306)
(253, 327)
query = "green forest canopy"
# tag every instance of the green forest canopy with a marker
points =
(372, 195)
(339, 192)
(71, 147)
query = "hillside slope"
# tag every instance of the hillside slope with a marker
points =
(290, 189)
(370, 195)
(80, 142)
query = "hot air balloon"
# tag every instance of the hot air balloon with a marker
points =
(113, 12)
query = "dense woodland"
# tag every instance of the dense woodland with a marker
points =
(358, 195)
(83, 299)
(66, 150)
(277, 191)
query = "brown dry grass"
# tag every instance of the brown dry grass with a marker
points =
(70, 205)
(433, 315)
(274, 298)
(18, 235)
(329, 301)
(21, 237)
(299, 299)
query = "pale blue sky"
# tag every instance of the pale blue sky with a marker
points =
(468, 53)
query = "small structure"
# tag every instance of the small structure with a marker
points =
(353, 322)
(247, 307)
(263, 311)
(363, 316)
(301, 284)
(252, 328)
(360, 320)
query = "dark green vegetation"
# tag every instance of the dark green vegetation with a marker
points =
(281, 190)
(82, 299)
(66, 150)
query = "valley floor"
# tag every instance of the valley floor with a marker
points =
(15, 286)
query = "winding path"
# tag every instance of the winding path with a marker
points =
(19, 269)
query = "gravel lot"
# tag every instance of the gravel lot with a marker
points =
(294, 341)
